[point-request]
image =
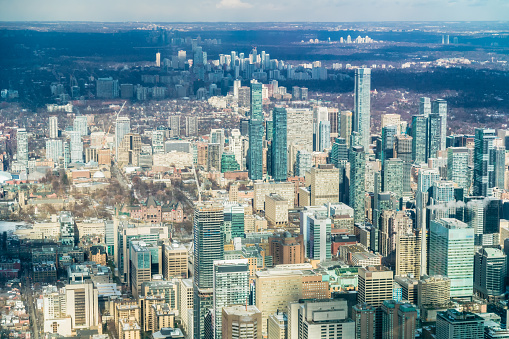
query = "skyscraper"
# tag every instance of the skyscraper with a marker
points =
(483, 164)
(319, 237)
(452, 246)
(357, 159)
(455, 324)
(279, 145)
(174, 125)
(434, 142)
(362, 106)
(53, 127)
(419, 137)
(490, 270)
(231, 287)
(403, 151)
(256, 133)
(191, 126)
(324, 138)
(392, 175)
(76, 147)
(345, 126)
(425, 106)
(54, 150)
(122, 127)
(208, 246)
(80, 125)
(22, 147)
(157, 141)
(457, 166)
(439, 107)
(387, 146)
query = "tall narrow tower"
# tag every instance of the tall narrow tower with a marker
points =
(362, 105)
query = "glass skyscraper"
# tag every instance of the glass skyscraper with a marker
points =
(484, 176)
(279, 151)
(256, 133)
(357, 181)
(439, 107)
(457, 166)
(122, 127)
(434, 142)
(419, 138)
(362, 105)
(392, 177)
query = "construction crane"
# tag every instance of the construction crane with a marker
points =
(109, 129)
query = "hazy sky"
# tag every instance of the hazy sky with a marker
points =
(253, 10)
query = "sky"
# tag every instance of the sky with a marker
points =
(254, 10)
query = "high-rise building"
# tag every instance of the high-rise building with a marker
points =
(499, 168)
(186, 308)
(399, 320)
(54, 150)
(174, 125)
(357, 159)
(439, 107)
(80, 125)
(408, 253)
(175, 261)
(231, 287)
(483, 163)
(375, 285)
(298, 133)
(53, 127)
(191, 126)
(22, 146)
(303, 163)
(456, 324)
(434, 291)
(392, 175)
(158, 59)
(419, 138)
(234, 220)
(241, 322)
(256, 133)
(386, 149)
(457, 166)
(403, 151)
(229, 163)
(157, 141)
(76, 147)
(324, 181)
(129, 150)
(364, 316)
(208, 246)
(452, 254)
(346, 126)
(425, 106)
(316, 318)
(319, 237)
(279, 151)
(490, 271)
(277, 327)
(434, 141)
(235, 146)
(141, 266)
(362, 106)
(122, 127)
(107, 88)
(214, 157)
(392, 120)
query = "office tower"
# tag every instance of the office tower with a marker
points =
(392, 175)
(452, 249)
(364, 316)
(191, 126)
(434, 291)
(80, 125)
(76, 146)
(324, 136)
(269, 129)
(357, 161)
(399, 320)
(375, 285)
(403, 151)
(157, 142)
(141, 266)
(490, 271)
(483, 163)
(122, 127)
(256, 133)
(316, 318)
(107, 88)
(129, 150)
(261, 189)
(439, 107)
(286, 249)
(386, 151)
(53, 127)
(67, 154)
(235, 146)
(279, 145)
(231, 287)
(208, 246)
(234, 219)
(441, 201)
(303, 163)
(158, 59)
(339, 152)
(175, 261)
(434, 135)
(67, 226)
(228, 162)
(277, 326)
(214, 155)
(299, 136)
(408, 253)
(346, 126)
(420, 138)
(22, 146)
(174, 125)
(54, 150)
(457, 166)
(361, 122)
(455, 324)
(499, 168)
(186, 304)
(241, 322)
(324, 183)
(334, 121)
(391, 120)
(425, 106)
(319, 237)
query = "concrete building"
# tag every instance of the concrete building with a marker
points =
(455, 324)
(490, 272)
(286, 190)
(276, 209)
(176, 260)
(324, 184)
(364, 317)
(399, 319)
(277, 326)
(241, 322)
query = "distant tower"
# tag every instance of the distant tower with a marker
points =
(158, 59)
(483, 164)
(357, 181)
(362, 106)
(279, 145)
(22, 146)
(122, 127)
(256, 133)
(53, 127)
(439, 107)
(80, 125)
(425, 106)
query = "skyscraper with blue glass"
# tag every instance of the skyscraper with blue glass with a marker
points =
(362, 106)
(256, 133)
(357, 181)
(279, 145)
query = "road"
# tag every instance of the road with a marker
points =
(27, 291)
